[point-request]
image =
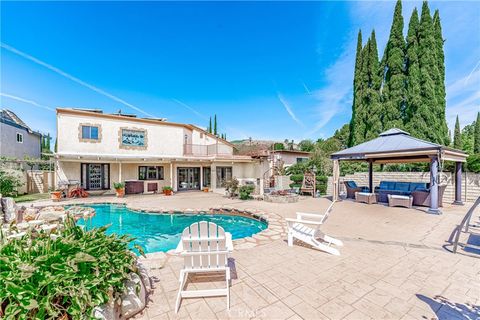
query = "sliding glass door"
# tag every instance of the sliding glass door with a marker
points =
(188, 179)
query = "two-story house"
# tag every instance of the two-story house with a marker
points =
(98, 149)
(17, 140)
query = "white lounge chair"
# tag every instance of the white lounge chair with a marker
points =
(205, 248)
(306, 228)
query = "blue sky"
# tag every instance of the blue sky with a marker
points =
(269, 70)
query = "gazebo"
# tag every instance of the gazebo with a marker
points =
(397, 146)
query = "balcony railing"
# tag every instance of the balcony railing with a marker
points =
(205, 150)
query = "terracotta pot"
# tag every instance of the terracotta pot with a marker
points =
(120, 192)
(167, 192)
(205, 189)
(56, 195)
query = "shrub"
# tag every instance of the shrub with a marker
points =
(167, 188)
(473, 163)
(295, 185)
(297, 178)
(42, 278)
(9, 184)
(231, 186)
(245, 191)
(118, 185)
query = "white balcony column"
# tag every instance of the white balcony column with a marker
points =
(171, 177)
(201, 177)
(119, 172)
(213, 176)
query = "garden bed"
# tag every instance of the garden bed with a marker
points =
(281, 197)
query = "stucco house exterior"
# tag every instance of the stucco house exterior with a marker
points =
(17, 140)
(96, 149)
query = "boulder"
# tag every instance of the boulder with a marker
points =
(30, 214)
(51, 214)
(134, 297)
(143, 273)
(8, 208)
(107, 311)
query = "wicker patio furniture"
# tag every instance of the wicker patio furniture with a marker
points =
(400, 201)
(366, 197)
(422, 197)
(352, 188)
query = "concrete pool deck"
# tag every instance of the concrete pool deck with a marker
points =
(392, 266)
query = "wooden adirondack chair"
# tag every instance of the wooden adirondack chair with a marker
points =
(308, 184)
(205, 248)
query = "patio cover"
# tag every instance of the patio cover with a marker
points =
(397, 146)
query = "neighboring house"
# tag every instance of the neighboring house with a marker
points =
(97, 149)
(287, 157)
(17, 140)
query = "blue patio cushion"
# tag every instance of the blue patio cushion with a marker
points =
(387, 185)
(402, 186)
(351, 184)
(418, 186)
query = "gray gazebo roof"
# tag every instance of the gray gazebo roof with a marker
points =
(398, 146)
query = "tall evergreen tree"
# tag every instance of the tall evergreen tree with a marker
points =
(356, 91)
(209, 129)
(215, 125)
(413, 76)
(476, 137)
(440, 77)
(393, 92)
(457, 136)
(47, 142)
(55, 148)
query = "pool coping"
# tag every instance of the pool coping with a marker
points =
(276, 228)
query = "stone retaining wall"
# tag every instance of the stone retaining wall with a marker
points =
(470, 182)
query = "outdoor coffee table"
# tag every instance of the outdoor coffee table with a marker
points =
(366, 197)
(400, 201)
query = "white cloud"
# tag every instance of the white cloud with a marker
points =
(74, 79)
(31, 102)
(288, 108)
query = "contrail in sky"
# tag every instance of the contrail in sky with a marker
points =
(190, 108)
(33, 103)
(289, 109)
(74, 79)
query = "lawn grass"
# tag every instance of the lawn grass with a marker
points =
(32, 197)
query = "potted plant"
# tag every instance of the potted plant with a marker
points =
(205, 189)
(56, 195)
(167, 190)
(119, 189)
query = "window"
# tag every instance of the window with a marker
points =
(133, 138)
(89, 132)
(95, 176)
(150, 173)
(223, 175)
(300, 160)
(19, 137)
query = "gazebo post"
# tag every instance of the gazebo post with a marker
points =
(370, 175)
(434, 186)
(336, 177)
(458, 184)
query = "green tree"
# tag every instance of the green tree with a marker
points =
(476, 137)
(215, 125)
(393, 94)
(457, 136)
(306, 145)
(356, 89)
(468, 138)
(413, 76)
(55, 148)
(440, 91)
(210, 125)
(278, 146)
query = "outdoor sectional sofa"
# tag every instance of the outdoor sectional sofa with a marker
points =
(418, 190)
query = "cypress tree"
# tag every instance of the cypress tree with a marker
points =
(215, 125)
(457, 136)
(356, 91)
(393, 93)
(476, 136)
(440, 77)
(210, 125)
(413, 78)
(55, 147)
(47, 142)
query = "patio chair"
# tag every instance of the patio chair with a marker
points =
(306, 228)
(308, 184)
(204, 247)
(352, 188)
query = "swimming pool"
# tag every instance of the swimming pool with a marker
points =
(161, 232)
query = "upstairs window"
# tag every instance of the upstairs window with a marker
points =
(90, 132)
(150, 173)
(133, 138)
(19, 137)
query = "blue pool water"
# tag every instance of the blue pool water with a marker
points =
(161, 232)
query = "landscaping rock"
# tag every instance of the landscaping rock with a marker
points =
(8, 208)
(30, 214)
(134, 297)
(51, 215)
(142, 271)
(107, 311)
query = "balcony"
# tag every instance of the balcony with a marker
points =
(199, 150)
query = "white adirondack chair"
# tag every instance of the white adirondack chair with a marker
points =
(306, 228)
(205, 248)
